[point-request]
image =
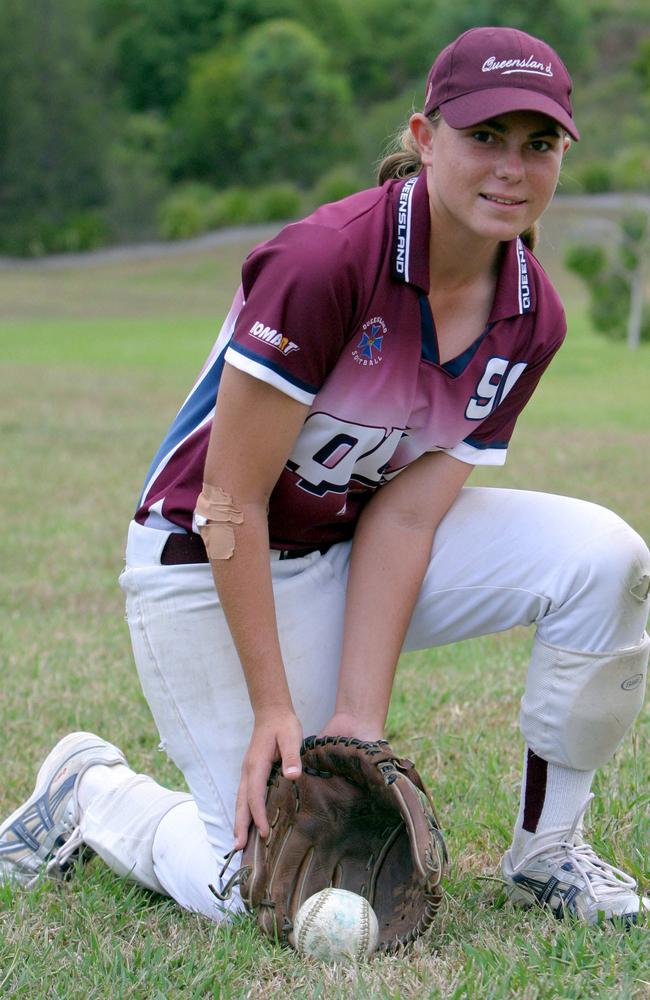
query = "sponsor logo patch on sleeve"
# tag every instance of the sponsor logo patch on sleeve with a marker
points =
(273, 337)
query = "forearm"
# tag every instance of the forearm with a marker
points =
(383, 585)
(245, 457)
(245, 590)
(390, 555)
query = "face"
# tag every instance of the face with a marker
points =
(493, 179)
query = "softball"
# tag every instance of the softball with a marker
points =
(336, 926)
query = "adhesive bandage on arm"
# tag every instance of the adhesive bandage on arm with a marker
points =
(215, 515)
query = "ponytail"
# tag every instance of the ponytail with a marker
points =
(402, 157)
(403, 161)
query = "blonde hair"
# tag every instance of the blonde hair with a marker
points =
(402, 159)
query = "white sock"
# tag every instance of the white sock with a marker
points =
(551, 797)
(98, 779)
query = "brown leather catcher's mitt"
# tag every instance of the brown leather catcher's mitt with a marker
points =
(358, 818)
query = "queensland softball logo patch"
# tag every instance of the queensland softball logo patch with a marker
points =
(368, 350)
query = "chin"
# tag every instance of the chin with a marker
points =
(500, 234)
(503, 229)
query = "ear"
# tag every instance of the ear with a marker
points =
(422, 131)
(566, 145)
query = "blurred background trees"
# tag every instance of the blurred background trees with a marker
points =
(126, 119)
(613, 273)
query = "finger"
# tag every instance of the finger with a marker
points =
(289, 746)
(258, 776)
(242, 816)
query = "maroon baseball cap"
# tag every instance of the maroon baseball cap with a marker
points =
(489, 71)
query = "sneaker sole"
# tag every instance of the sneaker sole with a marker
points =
(526, 899)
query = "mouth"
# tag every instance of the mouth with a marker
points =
(508, 202)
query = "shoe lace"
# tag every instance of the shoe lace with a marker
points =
(56, 865)
(601, 880)
(74, 842)
(61, 857)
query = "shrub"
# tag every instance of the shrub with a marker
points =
(595, 177)
(183, 213)
(586, 260)
(231, 207)
(614, 278)
(136, 184)
(82, 231)
(633, 169)
(336, 184)
(38, 236)
(240, 206)
(277, 202)
(610, 305)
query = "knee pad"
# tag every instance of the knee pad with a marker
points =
(578, 706)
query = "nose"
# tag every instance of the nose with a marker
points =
(510, 165)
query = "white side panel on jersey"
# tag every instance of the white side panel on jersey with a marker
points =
(219, 346)
(170, 454)
(578, 706)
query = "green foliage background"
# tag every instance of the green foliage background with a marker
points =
(109, 106)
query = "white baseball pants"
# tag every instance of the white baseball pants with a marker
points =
(500, 558)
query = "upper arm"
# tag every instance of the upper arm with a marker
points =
(300, 305)
(253, 432)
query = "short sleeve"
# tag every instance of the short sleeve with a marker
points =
(300, 299)
(488, 444)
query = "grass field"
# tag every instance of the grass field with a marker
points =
(94, 362)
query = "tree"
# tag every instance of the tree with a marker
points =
(615, 282)
(298, 110)
(154, 46)
(392, 47)
(561, 23)
(53, 130)
(634, 246)
(207, 130)
(272, 110)
(379, 45)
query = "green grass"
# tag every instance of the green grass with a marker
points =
(95, 362)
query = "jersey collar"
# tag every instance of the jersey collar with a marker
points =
(411, 236)
(515, 292)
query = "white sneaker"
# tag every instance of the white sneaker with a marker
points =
(43, 833)
(567, 876)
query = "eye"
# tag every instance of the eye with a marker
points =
(541, 145)
(483, 135)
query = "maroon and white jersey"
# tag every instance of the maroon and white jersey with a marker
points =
(334, 312)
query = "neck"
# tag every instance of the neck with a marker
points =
(457, 258)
